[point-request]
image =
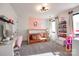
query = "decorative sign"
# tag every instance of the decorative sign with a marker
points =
(35, 23)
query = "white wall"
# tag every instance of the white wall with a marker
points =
(7, 10)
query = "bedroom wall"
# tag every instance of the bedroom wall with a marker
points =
(7, 10)
(37, 23)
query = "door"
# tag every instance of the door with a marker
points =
(53, 30)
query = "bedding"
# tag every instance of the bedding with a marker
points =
(38, 37)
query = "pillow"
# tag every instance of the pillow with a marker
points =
(19, 41)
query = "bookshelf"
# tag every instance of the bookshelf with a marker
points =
(5, 19)
(62, 29)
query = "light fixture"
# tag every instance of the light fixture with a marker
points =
(44, 8)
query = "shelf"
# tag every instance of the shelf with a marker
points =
(62, 33)
(5, 19)
(62, 29)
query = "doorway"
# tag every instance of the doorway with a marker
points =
(53, 29)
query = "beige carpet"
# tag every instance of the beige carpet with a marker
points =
(40, 48)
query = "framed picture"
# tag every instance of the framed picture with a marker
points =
(35, 23)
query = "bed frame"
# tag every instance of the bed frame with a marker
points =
(37, 35)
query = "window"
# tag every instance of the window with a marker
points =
(76, 23)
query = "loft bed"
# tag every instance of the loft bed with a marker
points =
(37, 35)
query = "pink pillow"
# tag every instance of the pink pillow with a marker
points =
(19, 41)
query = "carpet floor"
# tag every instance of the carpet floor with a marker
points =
(43, 47)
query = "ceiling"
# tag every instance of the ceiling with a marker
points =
(29, 9)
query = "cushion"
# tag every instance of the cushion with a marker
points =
(19, 41)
